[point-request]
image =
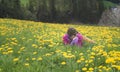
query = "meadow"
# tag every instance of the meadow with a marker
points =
(27, 46)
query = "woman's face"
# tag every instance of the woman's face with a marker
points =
(72, 37)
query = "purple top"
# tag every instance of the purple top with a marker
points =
(78, 40)
(74, 41)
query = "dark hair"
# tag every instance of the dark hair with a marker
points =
(71, 31)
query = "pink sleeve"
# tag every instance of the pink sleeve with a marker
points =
(65, 39)
(80, 36)
(80, 39)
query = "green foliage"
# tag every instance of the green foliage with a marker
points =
(108, 4)
(24, 2)
(55, 10)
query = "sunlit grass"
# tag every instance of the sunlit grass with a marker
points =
(27, 46)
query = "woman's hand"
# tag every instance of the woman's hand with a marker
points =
(92, 41)
(89, 40)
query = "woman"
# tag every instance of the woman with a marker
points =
(73, 37)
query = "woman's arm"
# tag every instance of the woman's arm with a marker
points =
(74, 41)
(65, 39)
(88, 39)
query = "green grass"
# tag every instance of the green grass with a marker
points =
(29, 41)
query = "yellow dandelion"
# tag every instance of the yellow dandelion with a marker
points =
(110, 60)
(78, 61)
(33, 58)
(39, 59)
(77, 71)
(10, 51)
(27, 59)
(34, 45)
(48, 54)
(4, 53)
(34, 53)
(13, 39)
(13, 43)
(26, 64)
(22, 48)
(100, 70)
(86, 61)
(63, 63)
(1, 49)
(84, 69)
(82, 59)
(81, 54)
(19, 52)
(86, 64)
(15, 59)
(100, 66)
(51, 45)
(92, 53)
(92, 57)
(116, 66)
(91, 69)
(90, 61)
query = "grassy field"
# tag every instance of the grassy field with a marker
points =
(27, 46)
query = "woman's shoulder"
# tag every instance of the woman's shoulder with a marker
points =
(65, 35)
(79, 35)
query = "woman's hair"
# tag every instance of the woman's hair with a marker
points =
(71, 31)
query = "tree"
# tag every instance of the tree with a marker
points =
(52, 10)
(11, 8)
(115, 1)
(85, 11)
(17, 9)
(5, 7)
(74, 8)
(42, 11)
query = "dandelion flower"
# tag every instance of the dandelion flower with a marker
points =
(33, 58)
(15, 59)
(91, 69)
(110, 60)
(77, 71)
(63, 63)
(26, 64)
(34, 53)
(84, 69)
(39, 59)
(78, 61)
